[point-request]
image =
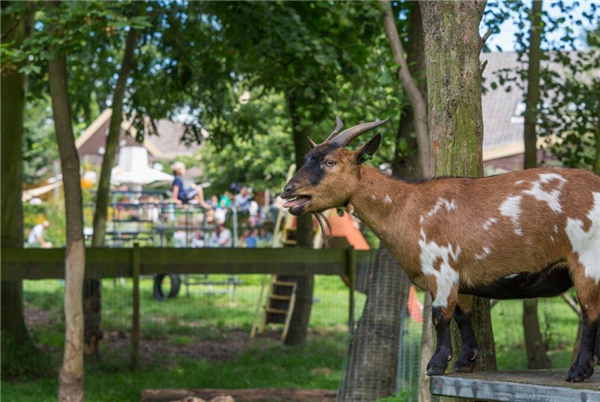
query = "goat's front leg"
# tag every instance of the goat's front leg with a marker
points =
(462, 316)
(442, 311)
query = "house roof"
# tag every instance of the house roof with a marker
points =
(166, 145)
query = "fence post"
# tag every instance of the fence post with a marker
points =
(135, 335)
(351, 268)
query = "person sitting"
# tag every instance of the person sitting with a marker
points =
(183, 195)
(221, 237)
(36, 236)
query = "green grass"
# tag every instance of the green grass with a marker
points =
(201, 322)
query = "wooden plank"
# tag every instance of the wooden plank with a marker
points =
(240, 395)
(527, 386)
(111, 263)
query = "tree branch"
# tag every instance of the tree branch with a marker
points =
(486, 37)
(409, 85)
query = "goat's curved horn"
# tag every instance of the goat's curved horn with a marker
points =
(346, 136)
(338, 127)
(312, 143)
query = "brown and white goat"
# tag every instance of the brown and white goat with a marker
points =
(532, 233)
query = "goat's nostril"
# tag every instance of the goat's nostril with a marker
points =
(289, 187)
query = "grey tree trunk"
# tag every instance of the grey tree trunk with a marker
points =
(455, 118)
(92, 298)
(373, 355)
(298, 329)
(537, 357)
(72, 373)
(371, 371)
(15, 337)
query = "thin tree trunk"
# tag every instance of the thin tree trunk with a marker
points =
(72, 373)
(456, 120)
(537, 357)
(417, 100)
(15, 337)
(533, 85)
(534, 345)
(597, 164)
(298, 329)
(373, 355)
(92, 298)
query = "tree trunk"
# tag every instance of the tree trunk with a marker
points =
(92, 301)
(417, 100)
(533, 86)
(373, 354)
(298, 329)
(597, 163)
(372, 367)
(15, 337)
(455, 118)
(72, 373)
(534, 345)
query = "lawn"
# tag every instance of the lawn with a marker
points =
(201, 340)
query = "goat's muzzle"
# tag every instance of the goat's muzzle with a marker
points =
(295, 202)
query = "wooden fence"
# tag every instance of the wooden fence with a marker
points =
(33, 264)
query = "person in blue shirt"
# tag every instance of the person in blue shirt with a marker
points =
(186, 195)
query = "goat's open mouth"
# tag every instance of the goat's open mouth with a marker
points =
(296, 202)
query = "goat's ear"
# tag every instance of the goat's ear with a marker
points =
(366, 152)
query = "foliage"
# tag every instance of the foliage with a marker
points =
(568, 111)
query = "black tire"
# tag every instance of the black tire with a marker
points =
(158, 290)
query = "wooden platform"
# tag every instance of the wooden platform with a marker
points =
(240, 395)
(530, 386)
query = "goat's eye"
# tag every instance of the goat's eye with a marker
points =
(330, 163)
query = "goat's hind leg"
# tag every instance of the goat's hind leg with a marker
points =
(588, 293)
(462, 315)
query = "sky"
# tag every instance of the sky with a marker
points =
(506, 38)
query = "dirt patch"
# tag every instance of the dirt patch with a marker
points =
(165, 351)
(35, 318)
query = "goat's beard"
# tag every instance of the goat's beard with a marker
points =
(325, 227)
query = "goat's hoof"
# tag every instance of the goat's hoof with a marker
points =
(437, 365)
(580, 373)
(464, 365)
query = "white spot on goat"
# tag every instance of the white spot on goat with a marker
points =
(519, 182)
(447, 277)
(511, 208)
(485, 253)
(511, 276)
(587, 244)
(549, 197)
(487, 224)
(387, 199)
(442, 202)
(421, 219)
(373, 197)
(556, 229)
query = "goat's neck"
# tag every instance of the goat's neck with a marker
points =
(378, 198)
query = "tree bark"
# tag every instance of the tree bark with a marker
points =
(597, 163)
(533, 85)
(373, 355)
(417, 100)
(298, 329)
(15, 337)
(455, 118)
(534, 345)
(92, 298)
(72, 373)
